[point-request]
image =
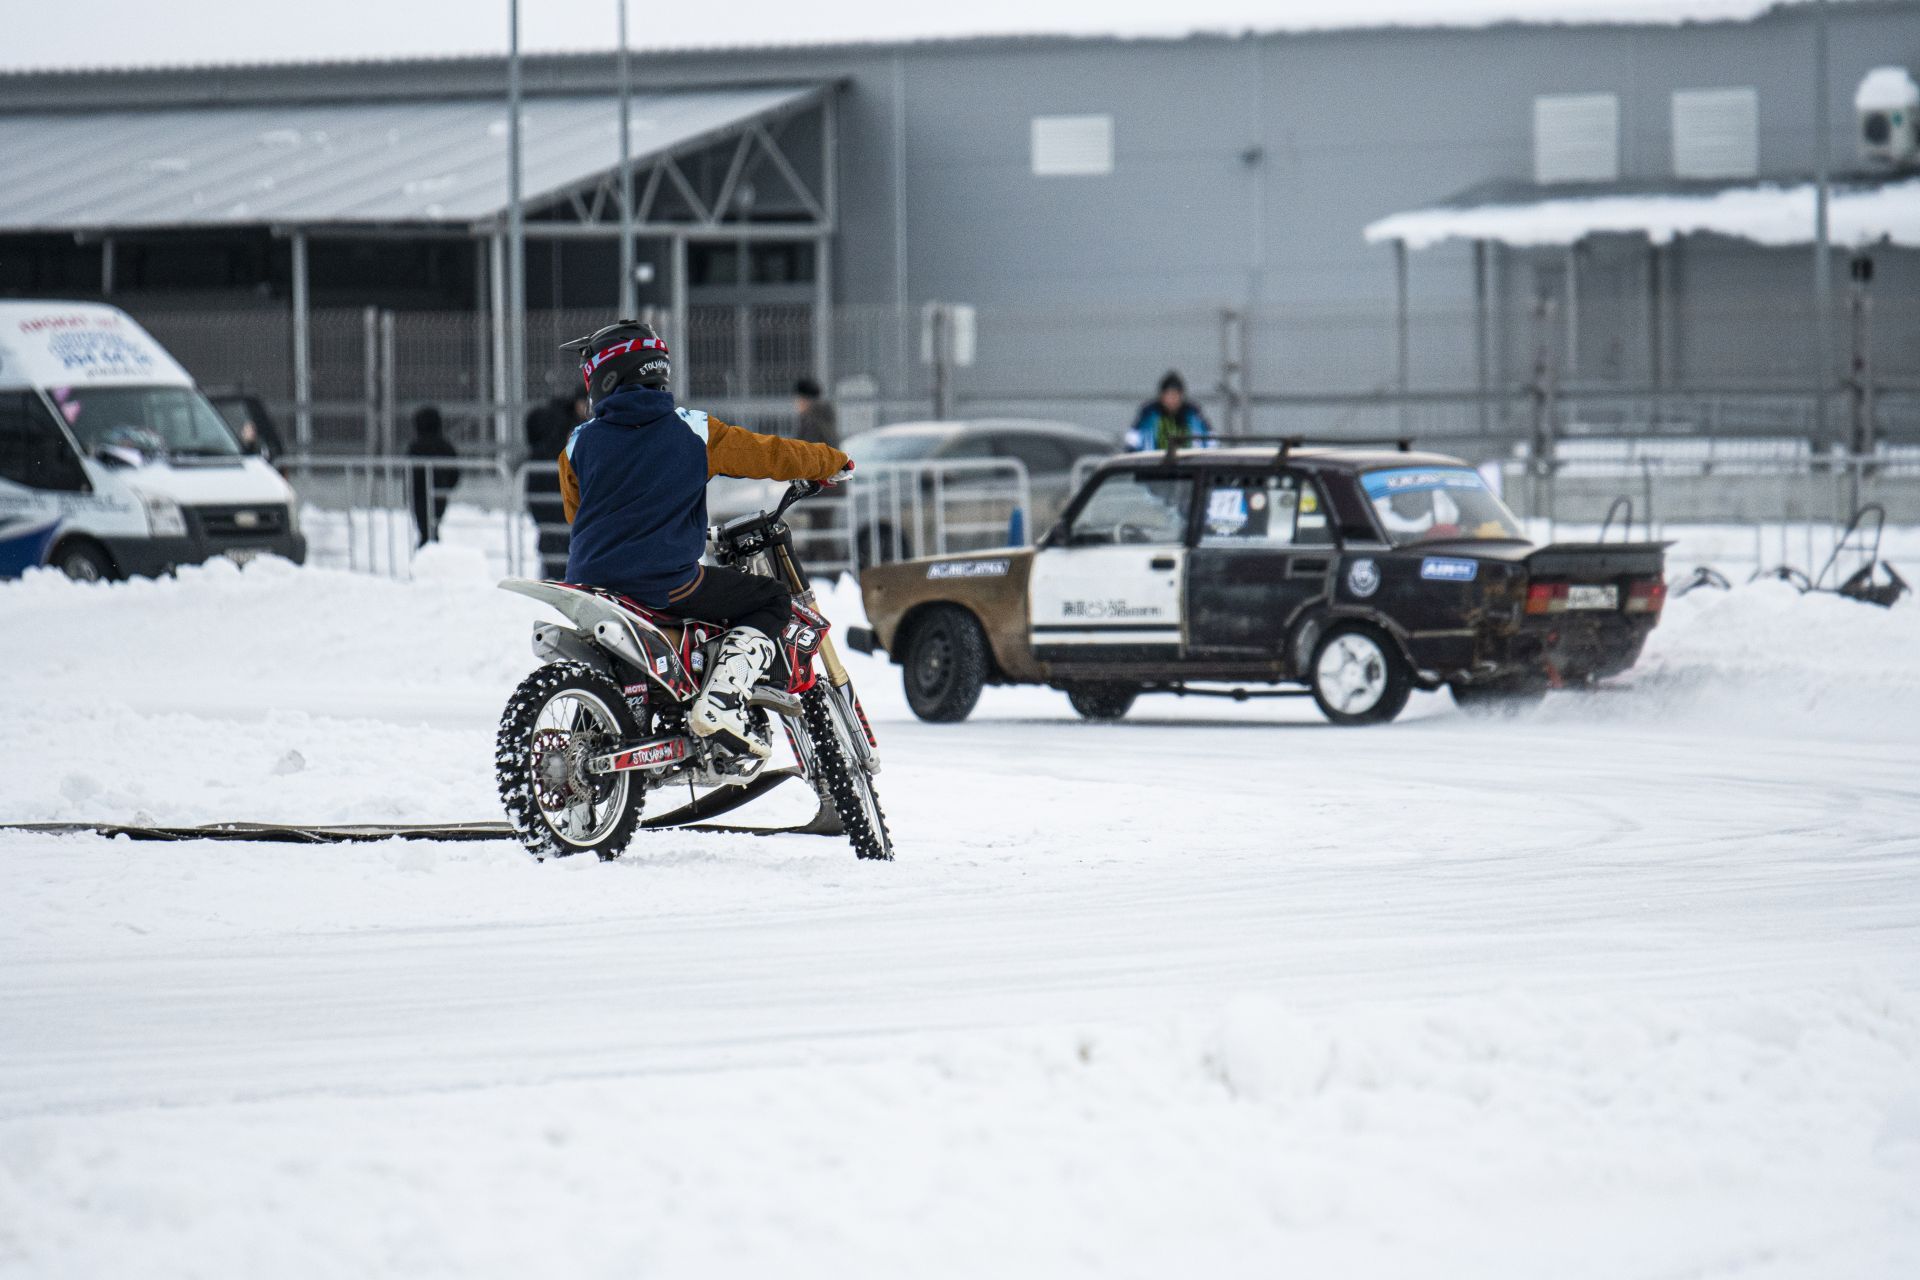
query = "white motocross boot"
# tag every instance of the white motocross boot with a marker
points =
(742, 660)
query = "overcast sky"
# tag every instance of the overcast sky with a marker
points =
(168, 32)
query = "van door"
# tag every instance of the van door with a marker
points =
(1110, 589)
(39, 476)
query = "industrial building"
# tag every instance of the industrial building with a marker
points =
(1474, 234)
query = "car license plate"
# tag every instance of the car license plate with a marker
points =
(1593, 597)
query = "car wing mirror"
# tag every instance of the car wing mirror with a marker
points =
(1054, 537)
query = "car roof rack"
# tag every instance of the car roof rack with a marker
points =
(1284, 444)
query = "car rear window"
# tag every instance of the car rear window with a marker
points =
(1435, 504)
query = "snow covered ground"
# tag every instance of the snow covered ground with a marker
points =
(1626, 988)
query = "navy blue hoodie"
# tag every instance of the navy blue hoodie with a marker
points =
(634, 479)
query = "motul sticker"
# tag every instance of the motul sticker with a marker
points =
(970, 569)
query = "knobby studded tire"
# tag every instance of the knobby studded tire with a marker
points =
(849, 785)
(513, 761)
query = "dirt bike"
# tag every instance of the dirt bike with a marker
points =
(589, 734)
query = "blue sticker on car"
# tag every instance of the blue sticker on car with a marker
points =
(1448, 569)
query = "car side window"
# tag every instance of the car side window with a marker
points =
(1132, 507)
(33, 450)
(1040, 455)
(1264, 511)
(966, 447)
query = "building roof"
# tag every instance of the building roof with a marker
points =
(1863, 210)
(346, 164)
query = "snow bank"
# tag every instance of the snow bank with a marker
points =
(1480, 1137)
(1767, 213)
(1763, 654)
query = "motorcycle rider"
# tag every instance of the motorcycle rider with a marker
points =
(633, 479)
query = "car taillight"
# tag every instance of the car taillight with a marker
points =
(1547, 597)
(1646, 597)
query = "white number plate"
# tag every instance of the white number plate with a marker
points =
(1593, 597)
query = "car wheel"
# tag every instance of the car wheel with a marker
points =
(85, 561)
(944, 664)
(1488, 700)
(1359, 677)
(1102, 701)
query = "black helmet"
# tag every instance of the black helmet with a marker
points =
(627, 353)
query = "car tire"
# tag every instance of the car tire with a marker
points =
(944, 664)
(1358, 676)
(1485, 701)
(1102, 702)
(84, 560)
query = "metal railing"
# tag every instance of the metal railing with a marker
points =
(372, 513)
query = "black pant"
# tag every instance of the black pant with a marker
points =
(735, 598)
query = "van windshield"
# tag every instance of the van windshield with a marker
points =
(160, 421)
(1432, 504)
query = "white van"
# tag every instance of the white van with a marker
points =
(111, 461)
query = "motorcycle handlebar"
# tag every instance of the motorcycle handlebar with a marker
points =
(795, 492)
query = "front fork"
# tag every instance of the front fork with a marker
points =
(840, 684)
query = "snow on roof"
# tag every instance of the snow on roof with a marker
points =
(1886, 89)
(1766, 213)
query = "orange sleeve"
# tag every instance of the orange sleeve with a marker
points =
(748, 455)
(569, 488)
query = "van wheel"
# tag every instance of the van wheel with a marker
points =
(1359, 677)
(1102, 701)
(85, 561)
(944, 664)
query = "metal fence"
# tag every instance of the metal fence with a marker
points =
(1444, 375)
(373, 513)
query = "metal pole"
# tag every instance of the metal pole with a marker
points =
(1400, 376)
(1571, 364)
(482, 326)
(106, 266)
(1480, 329)
(516, 229)
(823, 246)
(627, 300)
(1822, 264)
(370, 355)
(680, 343)
(302, 348)
(503, 420)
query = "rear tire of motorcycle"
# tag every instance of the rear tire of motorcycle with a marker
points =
(849, 785)
(944, 664)
(513, 761)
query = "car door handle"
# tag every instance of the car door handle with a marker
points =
(1300, 567)
(1164, 562)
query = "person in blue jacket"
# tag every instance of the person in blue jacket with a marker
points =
(1167, 417)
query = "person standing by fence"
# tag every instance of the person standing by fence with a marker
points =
(548, 428)
(431, 485)
(818, 424)
(1169, 417)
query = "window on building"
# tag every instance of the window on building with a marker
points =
(1576, 137)
(1072, 146)
(1716, 133)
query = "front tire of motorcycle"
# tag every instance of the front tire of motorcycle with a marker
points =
(836, 761)
(589, 703)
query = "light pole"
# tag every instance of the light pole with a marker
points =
(627, 302)
(1822, 264)
(516, 363)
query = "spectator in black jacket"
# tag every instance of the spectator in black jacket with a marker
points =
(549, 426)
(431, 484)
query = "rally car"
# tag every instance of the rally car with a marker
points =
(1360, 573)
